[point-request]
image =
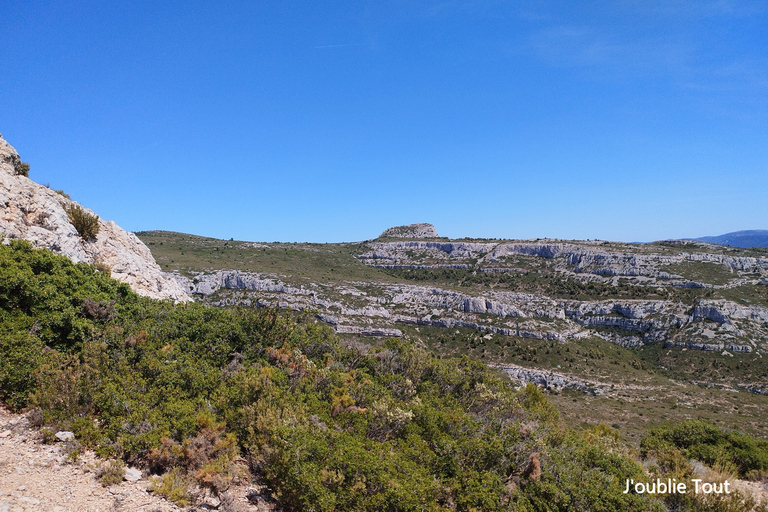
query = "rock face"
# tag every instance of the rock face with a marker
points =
(36, 213)
(623, 293)
(571, 257)
(551, 380)
(420, 230)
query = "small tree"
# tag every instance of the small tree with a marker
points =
(87, 225)
(21, 169)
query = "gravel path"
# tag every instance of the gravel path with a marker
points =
(37, 477)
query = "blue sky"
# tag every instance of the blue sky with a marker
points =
(331, 121)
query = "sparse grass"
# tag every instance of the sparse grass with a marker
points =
(22, 169)
(701, 271)
(750, 295)
(541, 281)
(303, 262)
(173, 486)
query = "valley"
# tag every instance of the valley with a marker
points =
(634, 335)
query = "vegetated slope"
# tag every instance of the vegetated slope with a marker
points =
(207, 396)
(211, 396)
(643, 333)
(747, 238)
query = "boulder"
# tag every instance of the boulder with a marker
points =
(65, 435)
(132, 475)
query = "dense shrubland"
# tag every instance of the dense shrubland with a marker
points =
(739, 454)
(207, 396)
(671, 451)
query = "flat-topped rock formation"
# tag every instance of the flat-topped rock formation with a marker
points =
(420, 230)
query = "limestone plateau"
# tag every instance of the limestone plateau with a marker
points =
(36, 213)
(681, 294)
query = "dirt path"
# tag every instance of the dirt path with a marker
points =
(37, 477)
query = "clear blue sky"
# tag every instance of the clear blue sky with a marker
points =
(331, 121)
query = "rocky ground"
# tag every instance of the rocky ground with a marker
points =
(38, 477)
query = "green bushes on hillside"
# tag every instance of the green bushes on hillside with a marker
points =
(669, 450)
(745, 455)
(209, 396)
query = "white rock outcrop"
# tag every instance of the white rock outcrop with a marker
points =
(420, 230)
(36, 213)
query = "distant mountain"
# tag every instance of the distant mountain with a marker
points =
(749, 238)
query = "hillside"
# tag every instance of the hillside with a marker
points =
(748, 238)
(211, 398)
(203, 400)
(634, 335)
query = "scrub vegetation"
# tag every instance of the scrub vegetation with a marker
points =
(86, 224)
(207, 396)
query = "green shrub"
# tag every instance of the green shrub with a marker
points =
(72, 450)
(669, 449)
(173, 486)
(48, 436)
(87, 225)
(195, 390)
(711, 445)
(111, 472)
(21, 169)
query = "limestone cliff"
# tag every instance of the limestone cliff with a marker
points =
(37, 213)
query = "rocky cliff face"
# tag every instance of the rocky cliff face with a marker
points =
(36, 213)
(582, 258)
(376, 308)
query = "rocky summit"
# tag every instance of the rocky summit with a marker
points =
(36, 213)
(420, 230)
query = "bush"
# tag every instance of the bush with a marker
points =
(72, 450)
(711, 445)
(111, 472)
(198, 392)
(669, 448)
(173, 486)
(22, 169)
(87, 225)
(48, 436)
